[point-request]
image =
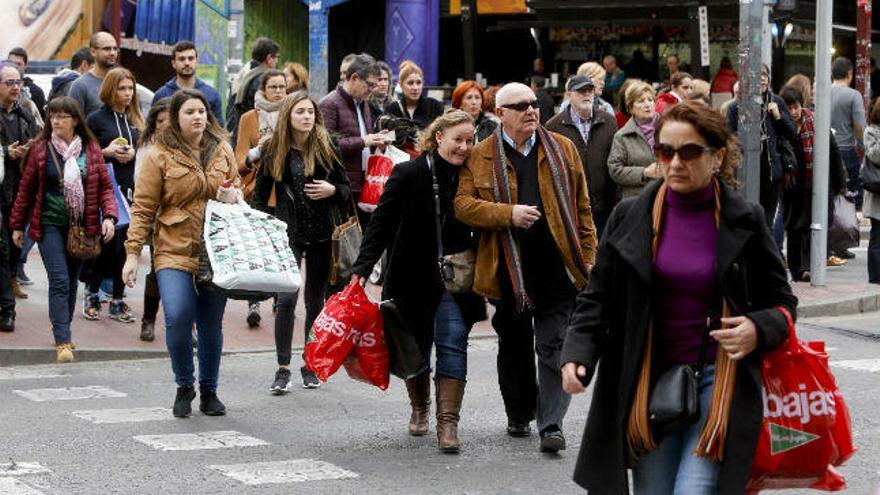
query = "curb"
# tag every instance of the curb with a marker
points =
(18, 356)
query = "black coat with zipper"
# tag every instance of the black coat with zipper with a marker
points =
(404, 224)
(610, 323)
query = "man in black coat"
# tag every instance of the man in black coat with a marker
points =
(19, 56)
(592, 132)
(17, 130)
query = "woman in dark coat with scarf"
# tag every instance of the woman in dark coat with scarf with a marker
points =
(413, 104)
(404, 223)
(646, 308)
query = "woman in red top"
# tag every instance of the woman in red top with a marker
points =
(64, 180)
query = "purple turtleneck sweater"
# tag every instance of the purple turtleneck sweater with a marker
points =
(684, 273)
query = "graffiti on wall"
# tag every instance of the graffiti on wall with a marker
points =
(38, 26)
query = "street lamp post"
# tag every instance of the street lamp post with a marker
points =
(819, 226)
(751, 29)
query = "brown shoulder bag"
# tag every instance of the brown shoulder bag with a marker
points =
(79, 244)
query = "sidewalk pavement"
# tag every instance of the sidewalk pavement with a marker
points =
(847, 292)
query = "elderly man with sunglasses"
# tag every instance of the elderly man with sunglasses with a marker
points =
(525, 189)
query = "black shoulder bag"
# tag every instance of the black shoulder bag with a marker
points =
(674, 402)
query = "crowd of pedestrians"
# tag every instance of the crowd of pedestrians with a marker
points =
(572, 221)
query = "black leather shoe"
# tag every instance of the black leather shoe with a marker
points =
(210, 405)
(7, 324)
(183, 402)
(518, 429)
(846, 254)
(552, 440)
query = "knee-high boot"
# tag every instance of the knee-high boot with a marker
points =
(449, 395)
(419, 390)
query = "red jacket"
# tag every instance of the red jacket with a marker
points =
(100, 199)
(664, 101)
(724, 81)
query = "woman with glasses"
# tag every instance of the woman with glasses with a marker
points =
(254, 129)
(413, 105)
(64, 180)
(117, 125)
(648, 309)
(631, 162)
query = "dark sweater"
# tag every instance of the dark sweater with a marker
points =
(684, 271)
(103, 123)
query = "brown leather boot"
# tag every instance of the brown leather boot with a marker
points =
(449, 395)
(419, 390)
(16, 290)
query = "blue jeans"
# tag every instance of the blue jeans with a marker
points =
(673, 469)
(28, 245)
(450, 340)
(183, 306)
(852, 163)
(63, 273)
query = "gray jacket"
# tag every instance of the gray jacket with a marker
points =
(630, 155)
(871, 205)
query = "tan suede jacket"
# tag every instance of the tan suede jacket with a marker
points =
(173, 190)
(475, 206)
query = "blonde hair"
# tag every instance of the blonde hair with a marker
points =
(700, 91)
(408, 68)
(802, 83)
(592, 69)
(450, 118)
(299, 73)
(318, 146)
(635, 91)
(108, 91)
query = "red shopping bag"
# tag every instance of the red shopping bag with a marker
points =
(806, 430)
(369, 361)
(379, 168)
(338, 329)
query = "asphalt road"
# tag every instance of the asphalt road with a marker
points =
(345, 437)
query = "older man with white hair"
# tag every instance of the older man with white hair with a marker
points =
(524, 187)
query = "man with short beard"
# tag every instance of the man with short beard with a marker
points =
(184, 60)
(17, 130)
(524, 188)
(85, 90)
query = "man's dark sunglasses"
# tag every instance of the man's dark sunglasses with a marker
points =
(522, 106)
(692, 151)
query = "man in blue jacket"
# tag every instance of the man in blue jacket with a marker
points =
(184, 60)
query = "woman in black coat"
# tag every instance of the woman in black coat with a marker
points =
(646, 303)
(405, 223)
(413, 105)
(310, 182)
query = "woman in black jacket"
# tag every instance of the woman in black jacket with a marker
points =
(413, 105)
(647, 309)
(117, 125)
(405, 223)
(309, 181)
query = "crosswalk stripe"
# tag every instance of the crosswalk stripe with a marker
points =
(27, 374)
(291, 471)
(200, 441)
(12, 486)
(69, 393)
(134, 415)
(22, 468)
(870, 365)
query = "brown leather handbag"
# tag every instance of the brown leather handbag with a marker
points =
(80, 245)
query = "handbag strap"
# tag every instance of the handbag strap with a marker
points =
(437, 217)
(54, 156)
(712, 317)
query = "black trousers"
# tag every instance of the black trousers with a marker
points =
(109, 264)
(531, 392)
(9, 254)
(317, 275)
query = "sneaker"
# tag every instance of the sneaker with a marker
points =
(183, 402)
(846, 254)
(64, 353)
(92, 307)
(253, 317)
(148, 331)
(552, 440)
(17, 290)
(209, 404)
(120, 311)
(310, 379)
(281, 385)
(22, 277)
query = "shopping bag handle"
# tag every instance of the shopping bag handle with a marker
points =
(792, 334)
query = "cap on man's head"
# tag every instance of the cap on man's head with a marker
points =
(579, 82)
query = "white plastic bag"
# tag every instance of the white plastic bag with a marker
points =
(249, 250)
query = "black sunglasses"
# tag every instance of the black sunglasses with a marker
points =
(688, 152)
(522, 106)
